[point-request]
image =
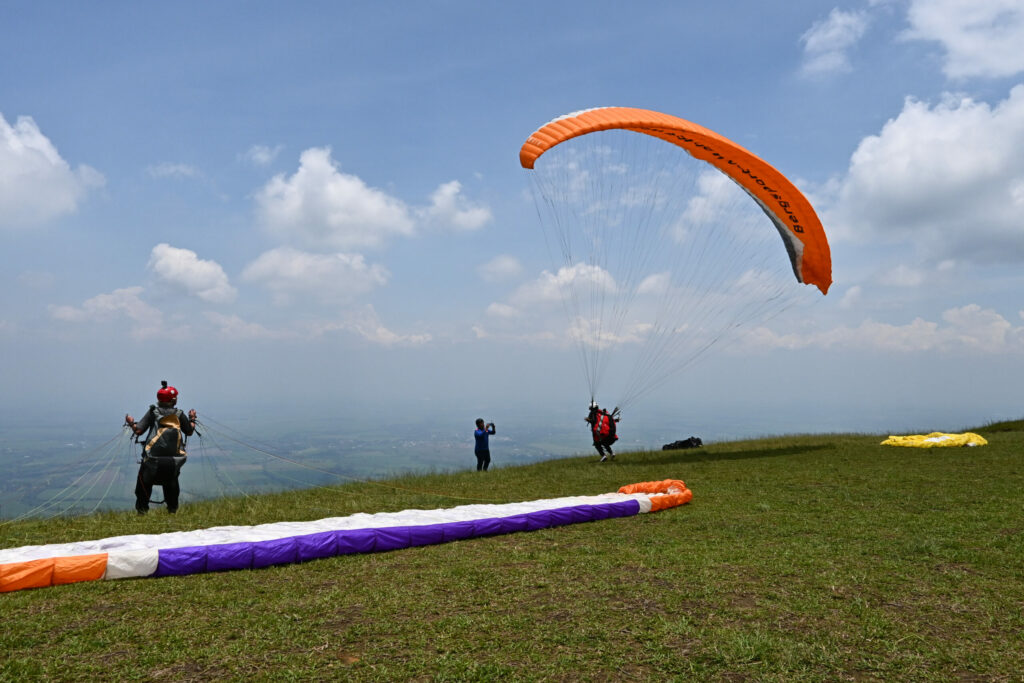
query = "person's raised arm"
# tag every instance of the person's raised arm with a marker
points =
(129, 422)
(190, 425)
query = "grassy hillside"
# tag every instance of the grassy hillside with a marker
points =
(800, 558)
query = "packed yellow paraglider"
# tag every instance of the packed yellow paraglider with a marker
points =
(936, 439)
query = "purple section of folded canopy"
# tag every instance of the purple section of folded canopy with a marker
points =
(228, 556)
(315, 546)
(257, 554)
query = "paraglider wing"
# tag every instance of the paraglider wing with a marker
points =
(788, 209)
(251, 547)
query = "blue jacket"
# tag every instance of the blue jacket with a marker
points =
(482, 438)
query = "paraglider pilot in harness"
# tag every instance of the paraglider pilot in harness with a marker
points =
(603, 428)
(163, 452)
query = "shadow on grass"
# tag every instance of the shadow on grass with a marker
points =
(709, 454)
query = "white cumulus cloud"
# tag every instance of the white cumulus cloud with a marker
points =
(593, 334)
(322, 208)
(500, 268)
(982, 38)
(828, 41)
(550, 287)
(234, 327)
(968, 328)
(36, 184)
(500, 310)
(121, 303)
(718, 202)
(902, 276)
(982, 329)
(261, 155)
(184, 270)
(852, 297)
(534, 311)
(943, 177)
(172, 170)
(366, 323)
(449, 208)
(655, 284)
(288, 272)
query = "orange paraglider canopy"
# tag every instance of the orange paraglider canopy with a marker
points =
(667, 493)
(784, 204)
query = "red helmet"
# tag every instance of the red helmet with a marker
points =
(166, 394)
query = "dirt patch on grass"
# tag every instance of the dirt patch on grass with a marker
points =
(743, 601)
(639, 605)
(556, 616)
(191, 671)
(346, 617)
(955, 568)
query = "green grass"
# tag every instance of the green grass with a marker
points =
(801, 558)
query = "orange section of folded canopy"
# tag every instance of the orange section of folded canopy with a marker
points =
(667, 493)
(80, 568)
(663, 486)
(51, 571)
(772, 190)
(670, 500)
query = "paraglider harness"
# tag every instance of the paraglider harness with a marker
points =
(163, 444)
(603, 424)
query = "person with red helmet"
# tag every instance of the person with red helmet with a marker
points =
(166, 427)
(603, 427)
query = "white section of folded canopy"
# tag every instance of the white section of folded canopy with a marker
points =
(130, 555)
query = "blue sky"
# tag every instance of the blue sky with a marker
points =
(310, 205)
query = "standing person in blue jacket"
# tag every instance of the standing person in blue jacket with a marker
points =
(483, 449)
